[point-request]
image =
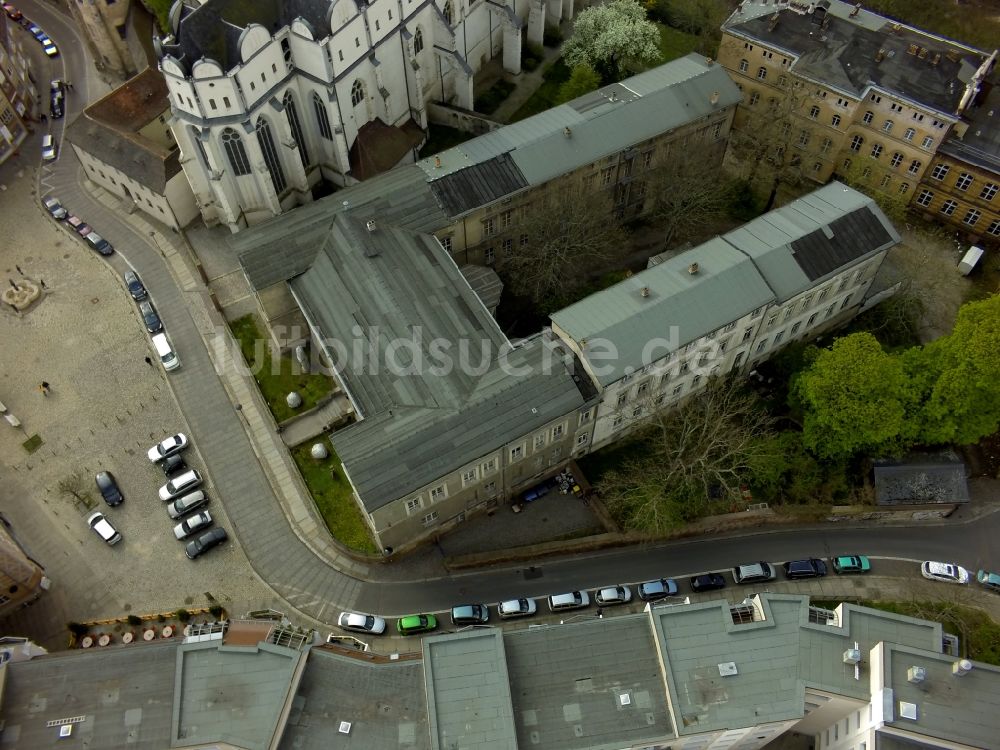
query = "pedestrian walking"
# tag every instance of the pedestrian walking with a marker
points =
(44, 389)
(42, 282)
(19, 269)
(43, 117)
(149, 361)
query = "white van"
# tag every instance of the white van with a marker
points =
(165, 352)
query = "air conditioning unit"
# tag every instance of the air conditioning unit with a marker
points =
(916, 675)
(852, 656)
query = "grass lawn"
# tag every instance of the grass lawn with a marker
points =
(334, 499)
(545, 96)
(675, 43)
(441, 137)
(277, 380)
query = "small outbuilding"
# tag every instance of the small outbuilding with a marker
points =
(922, 479)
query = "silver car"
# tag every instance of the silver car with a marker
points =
(361, 623)
(167, 447)
(611, 595)
(516, 608)
(193, 524)
(180, 485)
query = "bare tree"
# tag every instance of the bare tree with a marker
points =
(707, 444)
(75, 487)
(685, 193)
(560, 241)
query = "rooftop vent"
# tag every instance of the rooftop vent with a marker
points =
(65, 730)
(936, 59)
(644, 291)
(567, 132)
(857, 9)
(437, 162)
(908, 710)
(371, 225)
(345, 727)
(693, 269)
(922, 54)
(880, 56)
(624, 699)
(728, 669)
(912, 49)
(961, 667)
(916, 675)
(714, 98)
(852, 656)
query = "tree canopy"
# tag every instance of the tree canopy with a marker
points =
(613, 39)
(582, 80)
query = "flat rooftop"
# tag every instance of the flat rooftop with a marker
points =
(587, 684)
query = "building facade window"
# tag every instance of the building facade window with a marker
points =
(927, 142)
(322, 118)
(813, 112)
(868, 117)
(940, 171)
(925, 198)
(856, 143)
(915, 166)
(430, 518)
(896, 160)
(876, 150)
(296, 127)
(989, 191)
(440, 493)
(972, 216)
(236, 152)
(357, 92)
(835, 121)
(887, 126)
(908, 135)
(963, 181)
(266, 142)
(754, 98)
(413, 504)
(994, 228)
(761, 74)
(948, 207)
(418, 41)
(517, 453)
(744, 66)
(825, 146)
(489, 256)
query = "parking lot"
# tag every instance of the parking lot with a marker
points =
(105, 408)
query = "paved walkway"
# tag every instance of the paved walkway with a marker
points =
(318, 422)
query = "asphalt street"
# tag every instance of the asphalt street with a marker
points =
(315, 587)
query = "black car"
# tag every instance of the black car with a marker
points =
(708, 582)
(150, 318)
(470, 614)
(173, 465)
(811, 568)
(135, 286)
(109, 489)
(57, 95)
(204, 542)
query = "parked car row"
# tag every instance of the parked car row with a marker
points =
(184, 500)
(48, 46)
(151, 319)
(58, 212)
(954, 573)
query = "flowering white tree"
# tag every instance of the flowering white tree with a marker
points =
(613, 38)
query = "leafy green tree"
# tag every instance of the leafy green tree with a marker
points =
(855, 398)
(959, 377)
(582, 80)
(614, 39)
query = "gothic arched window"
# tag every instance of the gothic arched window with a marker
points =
(296, 127)
(322, 118)
(266, 143)
(418, 41)
(357, 93)
(235, 152)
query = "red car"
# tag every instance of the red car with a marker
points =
(12, 12)
(78, 225)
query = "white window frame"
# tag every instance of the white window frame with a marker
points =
(517, 453)
(489, 466)
(414, 504)
(439, 493)
(470, 476)
(558, 432)
(430, 519)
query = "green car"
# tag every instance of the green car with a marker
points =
(851, 564)
(416, 624)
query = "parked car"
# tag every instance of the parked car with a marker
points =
(361, 623)
(55, 209)
(49, 48)
(516, 608)
(103, 527)
(34, 30)
(180, 485)
(12, 13)
(661, 588)
(78, 225)
(189, 502)
(758, 572)
(809, 568)
(611, 595)
(149, 317)
(708, 582)
(944, 572)
(135, 286)
(57, 95)
(109, 489)
(470, 614)
(569, 600)
(48, 147)
(99, 244)
(989, 580)
(851, 564)
(193, 524)
(206, 541)
(173, 465)
(413, 624)
(167, 447)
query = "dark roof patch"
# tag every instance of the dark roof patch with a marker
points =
(849, 237)
(478, 185)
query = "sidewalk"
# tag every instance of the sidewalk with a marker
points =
(319, 422)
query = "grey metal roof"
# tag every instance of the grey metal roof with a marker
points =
(468, 692)
(775, 659)
(231, 694)
(679, 307)
(567, 683)
(384, 703)
(125, 694)
(919, 480)
(843, 54)
(395, 453)
(283, 247)
(981, 143)
(478, 185)
(799, 244)
(948, 707)
(486, 283)
(653, 102)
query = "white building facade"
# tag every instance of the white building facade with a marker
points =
(267, 107)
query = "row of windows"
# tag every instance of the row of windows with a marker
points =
(779, 336)
(964, 181)
(948, 208)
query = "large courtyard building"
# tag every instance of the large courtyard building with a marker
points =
(270, 99)
(831, 89)
(700, 676)
(17, 93)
